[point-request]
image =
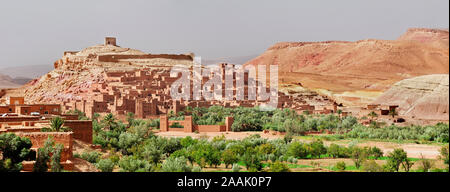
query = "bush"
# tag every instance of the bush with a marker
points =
(317, 148)
(134, 164)
(14, 150)
(178, 164)
(371, 166)
(445, 154)
(278, 167)
(425, 165)
(176, 125)
(91, 157)
(196, 169)
(105, 165)
(298, 150)
(375, 152)
(337, 151)
(340, 166)
(236, 167)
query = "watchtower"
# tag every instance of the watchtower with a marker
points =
(110, 41)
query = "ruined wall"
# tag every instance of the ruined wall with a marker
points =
(164, 123)
(189, 126)
(38, 140)
(210, 128)
(116, 58)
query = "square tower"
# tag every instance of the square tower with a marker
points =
(110, 41)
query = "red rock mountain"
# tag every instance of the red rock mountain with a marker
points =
(356, 73)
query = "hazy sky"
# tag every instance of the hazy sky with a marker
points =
(37, 32)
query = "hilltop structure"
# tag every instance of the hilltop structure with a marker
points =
(110, 79)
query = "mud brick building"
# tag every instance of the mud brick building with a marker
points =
(189, 127)
(23, 124)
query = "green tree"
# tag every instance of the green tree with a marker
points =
(14, 150)
(298, 150)
(317, 148)
(425, 164)
(393, 112)
(130, 118)
(376, 152)
(229, 157)
(109, 121)
(56, 158)
(50, 152)
(56, 125)
(445, 154)
(396, 158)
(359, 156)
(372, 115)
(278, 167)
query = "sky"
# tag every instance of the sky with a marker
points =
(38, 32)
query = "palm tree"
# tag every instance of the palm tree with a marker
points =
(393, 112)
(109, 121)
(372, 115)
(130, 118)
(56, 125)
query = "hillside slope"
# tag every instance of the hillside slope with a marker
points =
(423, 97)
(8, 82)
(357, 72)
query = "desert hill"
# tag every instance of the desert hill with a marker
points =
(424, 97)
(355, 73)
(77, 71)
(27, 71)
(7, 82)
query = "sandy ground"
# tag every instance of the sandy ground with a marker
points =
(81, 165)
(413, 150)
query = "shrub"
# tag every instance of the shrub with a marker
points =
(14, 150)
(337, 151)
(133, 164)
(91, 157)
(298, 150)
(376, 152)
(317, 148)
(56, 158)
(445, 154)
(178, 164)
(105, 165)
(425, 165)
(196, 169)
(371, 166)
(340, 166)
(236, 167)
(278, 167)
(176, 125)
(43, 156)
